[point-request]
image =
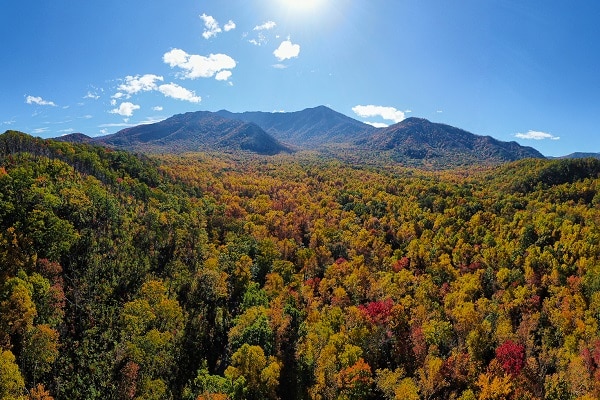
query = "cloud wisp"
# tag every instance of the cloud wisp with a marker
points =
(91, 95)
(386, 113)
(536, 135)
(377, 124)
(266, 26)
(196, 66)
(39, 101)
(212, 27)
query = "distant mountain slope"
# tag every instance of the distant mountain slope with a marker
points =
(420, 139)
(582, 155)
(193, 131)
(75, 138)
(309, 128)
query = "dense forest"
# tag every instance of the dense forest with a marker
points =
(213, 276)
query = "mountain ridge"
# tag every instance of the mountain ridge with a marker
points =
(419, 138)
(413, 141)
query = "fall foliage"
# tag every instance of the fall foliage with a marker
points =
(231, 276)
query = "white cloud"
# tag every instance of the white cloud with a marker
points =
(66, 131)
(197, 66)
(180, 93)
(149, 121)
(377, 124)
(229, 26)
(266, 26)
(223, 75)
(280, 66)
(40, 130)
(175, 57)
(536, 135)
(211, 26)
(287, 50)
(387, 113)
(125, 109)
(39, 101)
(135, 84)
(157, 108)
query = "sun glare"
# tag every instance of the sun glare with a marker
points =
(301, 5)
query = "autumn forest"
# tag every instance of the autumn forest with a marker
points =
(238, 276)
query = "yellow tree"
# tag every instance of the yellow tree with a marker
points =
(259, 373)
(11, 381)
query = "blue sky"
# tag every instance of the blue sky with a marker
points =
(516, 70)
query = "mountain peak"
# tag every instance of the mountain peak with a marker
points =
(308, 128)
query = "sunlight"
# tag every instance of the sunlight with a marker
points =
(301, 5)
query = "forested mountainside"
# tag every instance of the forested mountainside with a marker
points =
(213, 276)
(443, 145)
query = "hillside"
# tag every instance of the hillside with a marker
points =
(195, 131)
(417, 139)
(233, 276)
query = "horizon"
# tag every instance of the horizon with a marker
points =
(523, 73)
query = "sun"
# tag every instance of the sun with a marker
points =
(301, 5)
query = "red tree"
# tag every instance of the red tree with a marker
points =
(511, 356)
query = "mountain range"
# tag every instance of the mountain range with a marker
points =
(413, 141)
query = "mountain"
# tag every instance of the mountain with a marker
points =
(193, 131)
(582, 155)
(309, 128)
(419, 139)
